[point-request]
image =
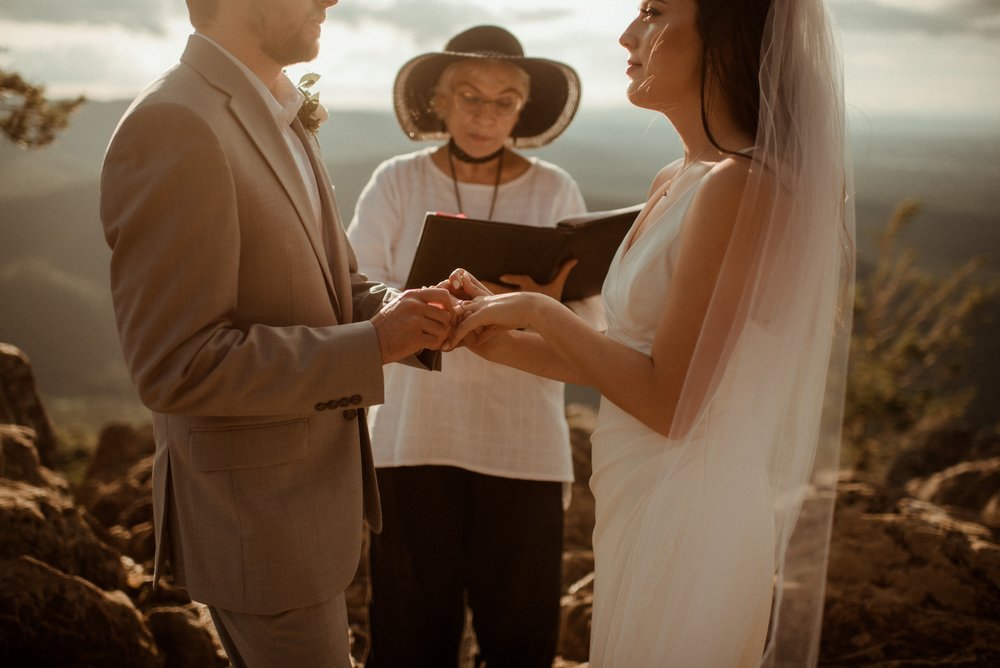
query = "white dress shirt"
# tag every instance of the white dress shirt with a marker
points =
(283, 102)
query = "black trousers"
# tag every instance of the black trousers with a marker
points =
(448, 533)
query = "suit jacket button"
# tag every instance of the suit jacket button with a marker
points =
(321, 406)
(350, 414)
(332, 403)
(355, 399)
(345, 402)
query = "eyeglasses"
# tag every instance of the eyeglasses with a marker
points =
(505, 105)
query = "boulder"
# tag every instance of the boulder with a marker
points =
(49, 618)
(127, 500)
(119, 448)
(972, 488)
(911, 586)
(941, 450)
(19, 459)
(576, 565)
(185, 638)
(576, 610)
(579, 521)
(20, 403)
(47, 525)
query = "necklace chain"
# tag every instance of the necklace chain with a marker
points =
(496, 182)
(670, 183)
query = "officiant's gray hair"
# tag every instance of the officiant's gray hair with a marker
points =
(446, 82)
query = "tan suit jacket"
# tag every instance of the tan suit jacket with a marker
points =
(244, 327)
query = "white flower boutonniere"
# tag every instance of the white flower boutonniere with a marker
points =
(311, 113)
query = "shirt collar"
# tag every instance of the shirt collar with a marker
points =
(283, 103)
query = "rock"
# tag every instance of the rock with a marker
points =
(579, 520)
(45, 524)
(123, 500)
(576, 610)
(142, 543)
(941, 450)
(119, 448)
(49, 618)
(907, 587)
(20, 404)
(969, 486)
(19, 459)
(118, 489)
(576, 565)
(184, 638)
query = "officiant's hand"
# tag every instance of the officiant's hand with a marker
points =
(525, 283)
(414, 321)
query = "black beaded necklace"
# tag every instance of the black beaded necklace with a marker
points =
(455, 152)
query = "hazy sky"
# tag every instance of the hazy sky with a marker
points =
(937, 58)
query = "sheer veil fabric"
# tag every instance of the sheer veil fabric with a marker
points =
(736, 536)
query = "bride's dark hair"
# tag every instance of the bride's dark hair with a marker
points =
(731, 34)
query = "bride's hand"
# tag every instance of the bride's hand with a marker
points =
(483, 317)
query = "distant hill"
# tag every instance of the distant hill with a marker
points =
(55, 304)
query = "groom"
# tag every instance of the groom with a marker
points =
(250, 334)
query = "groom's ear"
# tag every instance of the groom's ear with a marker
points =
(202, 12)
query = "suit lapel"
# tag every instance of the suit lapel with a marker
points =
(334, 237)
(258, 123)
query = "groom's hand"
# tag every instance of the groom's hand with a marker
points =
(413, 321)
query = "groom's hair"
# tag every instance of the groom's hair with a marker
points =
(202, 12)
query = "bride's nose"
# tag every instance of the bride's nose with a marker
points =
(628, 39)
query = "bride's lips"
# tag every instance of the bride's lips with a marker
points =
(632, 67)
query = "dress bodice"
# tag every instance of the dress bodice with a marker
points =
(635, 288)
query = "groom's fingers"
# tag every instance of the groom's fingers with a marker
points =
(414, 320)
(437, 297)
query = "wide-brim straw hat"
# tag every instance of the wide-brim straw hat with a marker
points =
(551, 104)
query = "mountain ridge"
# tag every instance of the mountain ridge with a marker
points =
(55, 303)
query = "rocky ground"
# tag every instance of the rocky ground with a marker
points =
(914, 577)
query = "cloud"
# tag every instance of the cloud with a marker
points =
(142, 15)
(431, 23)
(971, 17)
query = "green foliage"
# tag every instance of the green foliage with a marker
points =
(907, 350)
(27, 117)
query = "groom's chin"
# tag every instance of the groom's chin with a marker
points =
(293, 51)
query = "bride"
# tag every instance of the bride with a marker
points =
(721, 371)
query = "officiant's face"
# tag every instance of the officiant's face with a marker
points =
(289, 30)
(480, 103)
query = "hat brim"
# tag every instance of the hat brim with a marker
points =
(552, 100)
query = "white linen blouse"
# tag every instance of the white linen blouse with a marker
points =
(473, 414)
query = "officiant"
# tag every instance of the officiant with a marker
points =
(472, 462)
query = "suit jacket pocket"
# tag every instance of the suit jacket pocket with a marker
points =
(249, 446)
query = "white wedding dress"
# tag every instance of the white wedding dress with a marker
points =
(684, 540)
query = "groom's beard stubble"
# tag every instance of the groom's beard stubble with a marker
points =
(286, 39)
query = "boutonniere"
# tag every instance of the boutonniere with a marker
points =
(311, 113)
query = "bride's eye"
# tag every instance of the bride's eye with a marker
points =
(648, 13)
